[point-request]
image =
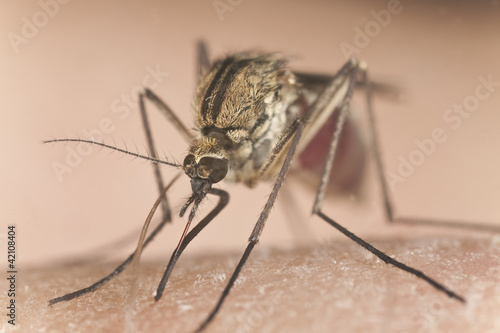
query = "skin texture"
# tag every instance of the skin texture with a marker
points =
(334, 286)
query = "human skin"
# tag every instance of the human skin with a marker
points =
(62, 83)
(333, 286)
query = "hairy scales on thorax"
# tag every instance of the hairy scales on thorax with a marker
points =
(242, 107)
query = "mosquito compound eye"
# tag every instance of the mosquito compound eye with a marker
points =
(203, 171)
(215, 169)
(188, 165)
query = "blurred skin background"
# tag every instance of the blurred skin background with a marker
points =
(71, 68)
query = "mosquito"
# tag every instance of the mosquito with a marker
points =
(253, 115)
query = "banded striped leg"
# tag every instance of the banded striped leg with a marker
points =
(202, 65)
(388, 205)
(259, 226)
(167, 216)
(344, 109)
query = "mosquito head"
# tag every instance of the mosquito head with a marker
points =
(206, 171)
(206, 163)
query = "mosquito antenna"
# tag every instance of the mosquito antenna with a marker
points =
(185, 240)
(124, 151)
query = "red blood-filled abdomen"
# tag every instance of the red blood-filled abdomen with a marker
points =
(349, 162)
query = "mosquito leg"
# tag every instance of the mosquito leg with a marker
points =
(322, 108)
(344, 110)
(169, 113)
(388, 260)
(388, 203)
(203, 60)
(376, 150)
(149, 138)
(203, 64)
(259, 226)
(118, 269)
(328, 100)
(223, 201)
(321, 190)
(333, 89)
(145, 227)
(294, 131)
(167, 215)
